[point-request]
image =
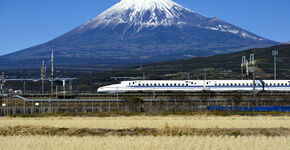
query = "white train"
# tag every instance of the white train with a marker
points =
(197, 85)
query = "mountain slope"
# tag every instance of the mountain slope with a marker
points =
(138, 32)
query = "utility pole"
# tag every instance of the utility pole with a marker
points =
(204, 80)
(275, 55)
(43, 73)
(2, 82)
(52, 75)
(204, 73)
(63, 86)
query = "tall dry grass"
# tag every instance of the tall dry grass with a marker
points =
(144, 143)
(150, 122)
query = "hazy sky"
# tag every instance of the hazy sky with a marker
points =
(26, 23)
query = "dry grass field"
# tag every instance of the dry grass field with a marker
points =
(144, 143)
(150, 122)
(146, 133)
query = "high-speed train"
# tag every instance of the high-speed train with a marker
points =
(197, 85)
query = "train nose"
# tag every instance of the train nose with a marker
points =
(101, 89)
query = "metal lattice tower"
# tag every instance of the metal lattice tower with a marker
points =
(52, 75)
(244, 65)
(43, 76)
(252, 69)
(275, 55)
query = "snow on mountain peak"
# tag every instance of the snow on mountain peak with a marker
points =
(143, 13)
(146, 4)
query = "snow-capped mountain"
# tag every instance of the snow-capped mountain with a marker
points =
(143, 31)
(152, 13)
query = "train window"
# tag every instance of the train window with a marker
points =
(223, 84)
(143, 84)
(166, 84)
(158, 84)
(186, 84)
(170, 84)
(278, 84)
(182, 84)
(129, 83)
(139, 84)
(147, 84)
(155, 84)
(191, 82)
(174, 84)
(163, 84)
(270, 84)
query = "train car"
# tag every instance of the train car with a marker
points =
(197, 85)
